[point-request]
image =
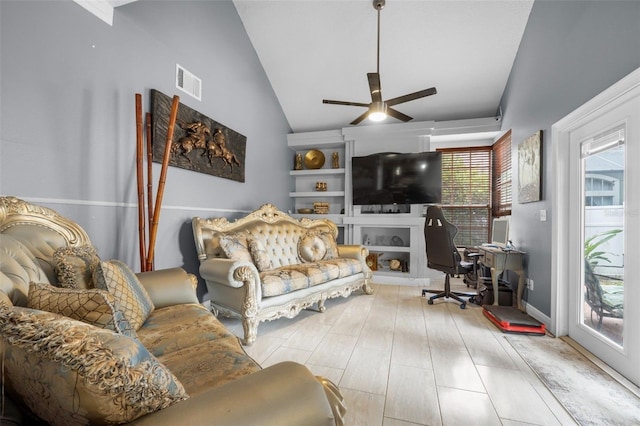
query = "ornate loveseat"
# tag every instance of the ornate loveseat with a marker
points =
(86, 341)
(268, 265)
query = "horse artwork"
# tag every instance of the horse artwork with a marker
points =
(199, 143)
(196, 138)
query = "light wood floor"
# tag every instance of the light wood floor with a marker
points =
(400, 361)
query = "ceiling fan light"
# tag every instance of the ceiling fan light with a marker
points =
(377, 116)
(378, 111)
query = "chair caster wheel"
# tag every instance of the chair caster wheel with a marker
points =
(463, 305)
(430, 302)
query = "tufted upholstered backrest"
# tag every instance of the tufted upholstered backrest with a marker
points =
(278, 232)
(29, 235)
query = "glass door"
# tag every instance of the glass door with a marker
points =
(604, 237)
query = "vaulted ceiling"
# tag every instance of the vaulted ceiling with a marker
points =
(315, 50)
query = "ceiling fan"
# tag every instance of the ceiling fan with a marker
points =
(378, 109)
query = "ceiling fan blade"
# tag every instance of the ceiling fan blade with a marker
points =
(326, 101)
(397, 114)
(360, 118)
(412, 96)
(374, 86)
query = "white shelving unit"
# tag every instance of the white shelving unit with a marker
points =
(393, 236)
(304, 194)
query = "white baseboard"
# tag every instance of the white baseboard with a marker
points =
(534, 313)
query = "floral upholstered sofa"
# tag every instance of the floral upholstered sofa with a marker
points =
(268, 265)
(86, 341)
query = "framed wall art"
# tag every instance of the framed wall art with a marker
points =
(530, 168)
(199, 143)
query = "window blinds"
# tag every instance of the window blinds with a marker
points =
(502, 182)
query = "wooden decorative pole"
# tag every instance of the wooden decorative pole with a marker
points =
(149, 176)
(139, 172)
(163, 179)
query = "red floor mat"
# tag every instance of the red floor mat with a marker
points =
(512, 320)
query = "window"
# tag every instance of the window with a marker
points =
(601, 190)
(476, 186)
(501, 184)
(466, 192)
(604, 181)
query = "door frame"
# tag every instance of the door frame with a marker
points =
(620, 92)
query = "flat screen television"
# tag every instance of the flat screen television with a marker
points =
(397, 178)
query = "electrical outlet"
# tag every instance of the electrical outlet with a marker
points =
(529, 284)
(543, 215)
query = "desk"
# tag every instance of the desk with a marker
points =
(499, 261)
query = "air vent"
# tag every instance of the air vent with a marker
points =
(189, 83)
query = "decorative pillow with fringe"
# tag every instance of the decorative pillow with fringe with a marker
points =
(259, 255)
(131, 297)
(235, 246)
(93, 306)
(4, 299)
(330, 244)
(70, 373)
(74, 266)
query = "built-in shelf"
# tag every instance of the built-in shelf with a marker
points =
(316, 172)
(336, 218)
(303, 194)
(389, 249)
(389, 273)
(391, 219)
(392, 236)
(317, 194)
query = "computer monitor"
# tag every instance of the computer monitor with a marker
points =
(500, 231)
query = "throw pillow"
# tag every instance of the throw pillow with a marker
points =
(331, 245)
(311, 248)
(259, 255)
(235, 246)
(93, 306)
(73, 266)
(71, 373)
(4, 299)
(131, 297)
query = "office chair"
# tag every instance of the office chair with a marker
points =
(443, 255)
(605, 300)
(477, 276)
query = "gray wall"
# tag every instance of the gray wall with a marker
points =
(68, 123)
(570, 52)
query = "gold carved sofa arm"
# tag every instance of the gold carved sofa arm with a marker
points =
(229, 272)
(168, 287)
(309, 402)
(353, 252)
(358, 252)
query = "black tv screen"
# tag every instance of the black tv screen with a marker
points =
(395, 178)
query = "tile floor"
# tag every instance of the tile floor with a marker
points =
(400, 361)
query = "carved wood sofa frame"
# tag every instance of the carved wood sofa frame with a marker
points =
(236, 287)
